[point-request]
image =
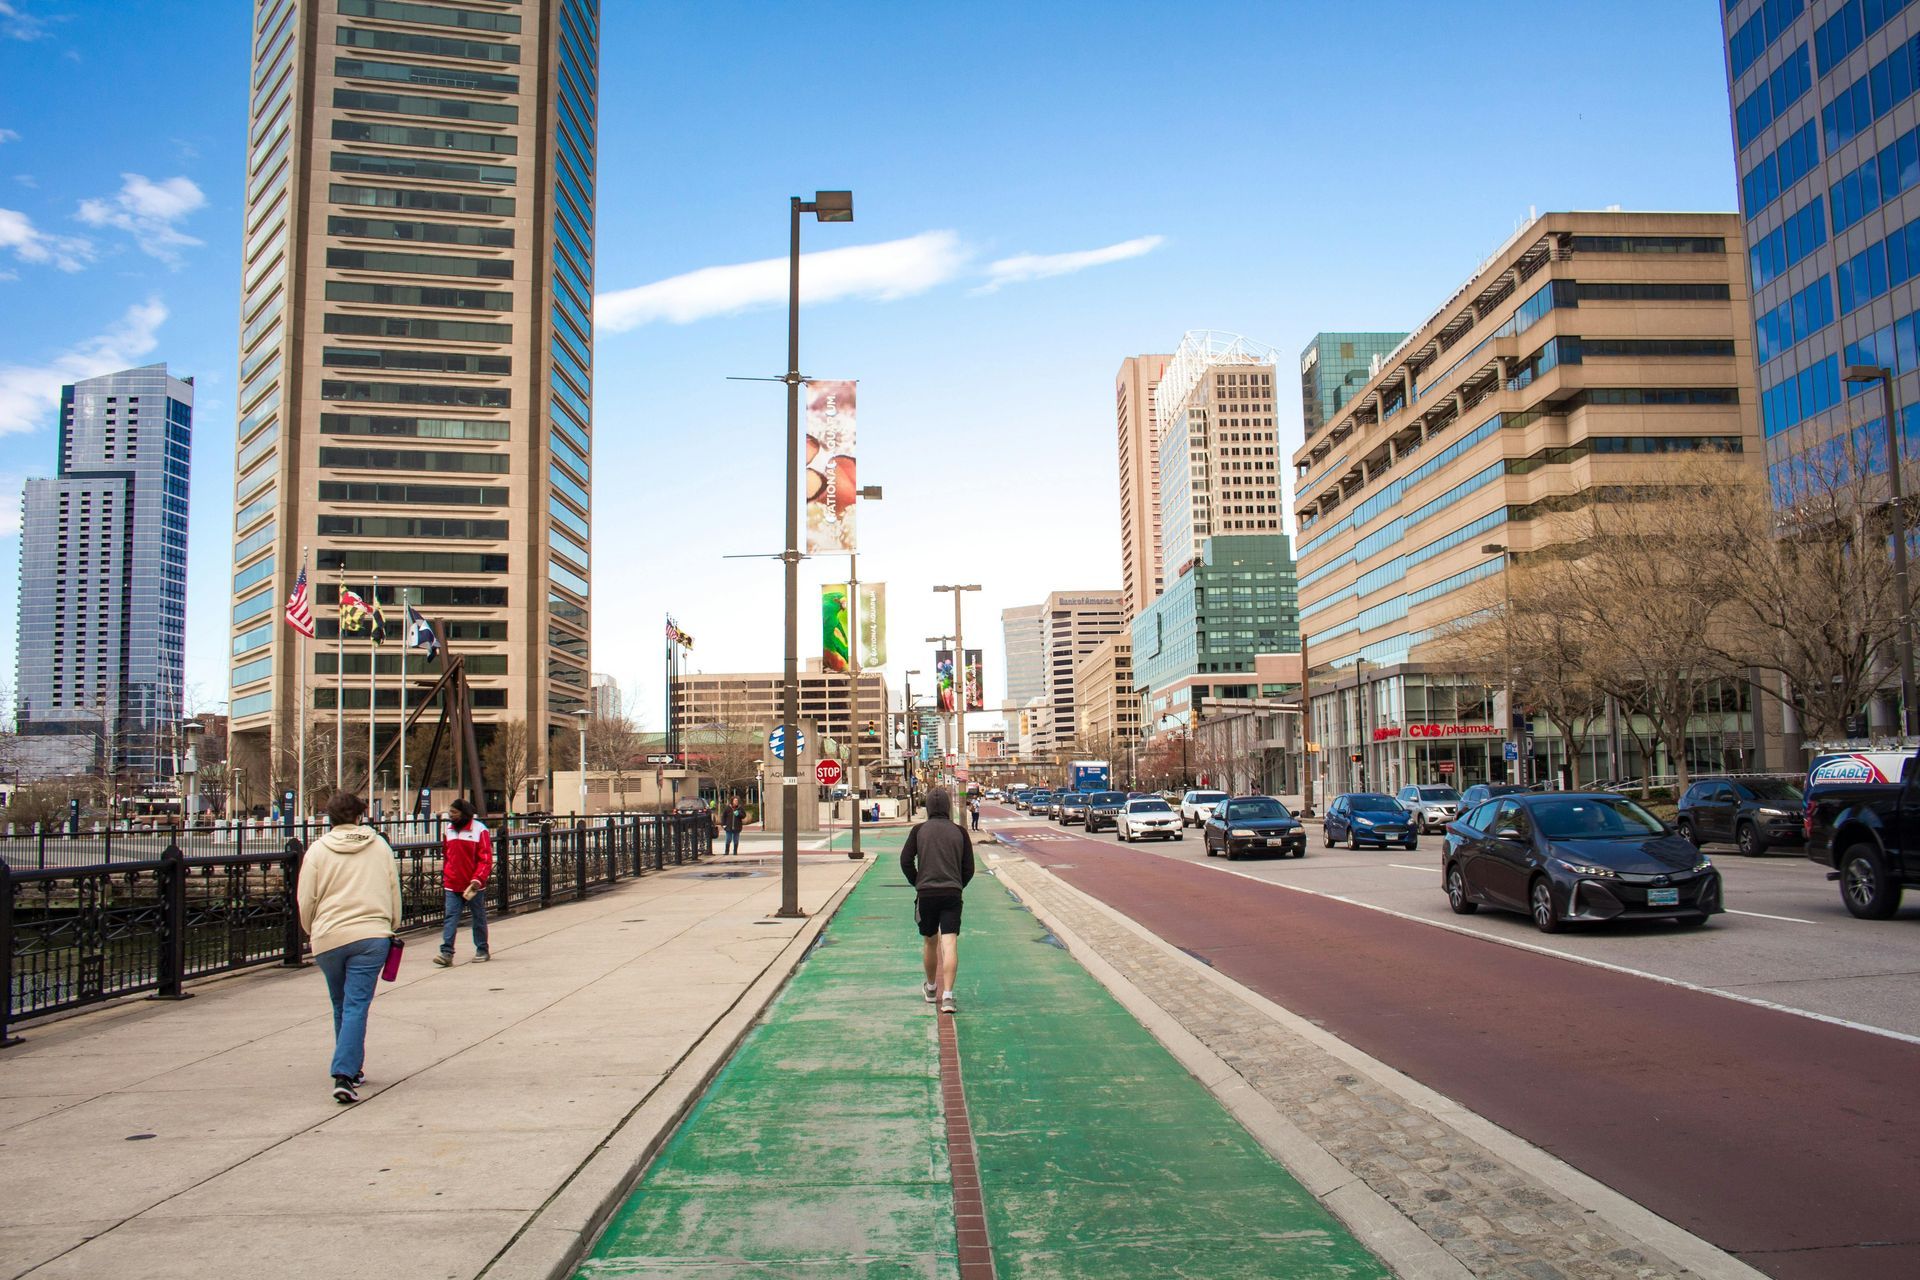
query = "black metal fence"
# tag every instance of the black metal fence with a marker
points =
(56, 845)
(76, 935)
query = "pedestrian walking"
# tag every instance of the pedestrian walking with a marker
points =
(937, 860)
(732, 821)
(349, 897)
(973, 812)
(466, 860)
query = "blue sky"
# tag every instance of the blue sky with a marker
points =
(1273, 169)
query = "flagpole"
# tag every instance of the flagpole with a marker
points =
(373, 660)
(406, 643)
(340, 686)
(300, 783)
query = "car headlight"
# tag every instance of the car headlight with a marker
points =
(1360, 820)
(1241, 833)
(1705, 863)
(1585, 869)
(1775, 813)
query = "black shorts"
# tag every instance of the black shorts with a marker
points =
(936, 913)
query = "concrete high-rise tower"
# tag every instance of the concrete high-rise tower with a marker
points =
(103, 580)
(416, 356)
(1133, 406)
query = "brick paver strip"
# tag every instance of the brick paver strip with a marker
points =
(969, 1211)
(1495, 1220)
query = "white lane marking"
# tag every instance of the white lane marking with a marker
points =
(1404, 867)
(1761, 915)
(1756, 1001)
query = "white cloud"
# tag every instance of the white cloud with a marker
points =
(30, 244)
(9, 135)
(29, 393)
(1038, 266)
(881, 272)
(149, 210)
(16, 24)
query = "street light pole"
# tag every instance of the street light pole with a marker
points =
(868, 493)
(1506, 629)
(826, 206)
(907, 761)
(583, 713)
(959, 682)
(946, 717)
(1903, 637)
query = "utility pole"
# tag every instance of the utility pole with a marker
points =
(959, 683)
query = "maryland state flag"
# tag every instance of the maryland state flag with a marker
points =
(353, 613)
(376, 621)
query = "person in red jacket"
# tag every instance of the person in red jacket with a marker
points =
(466, 861)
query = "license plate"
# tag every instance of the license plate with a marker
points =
(1274, 840)
(1663, 897)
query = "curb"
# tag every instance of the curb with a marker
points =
(551, 1243)
(1402, 1245)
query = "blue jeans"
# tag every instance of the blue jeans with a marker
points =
(478, 906)
(351, 973)
(733, 843)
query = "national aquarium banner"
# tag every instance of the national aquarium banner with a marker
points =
(873, 625)
(943, 677)
(835, 629)
(831, 487)
(976, 695)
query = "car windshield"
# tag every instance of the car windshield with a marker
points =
(1209, 797)
(1257, 809)
(1148, 806)
(1074, 797)
(1593, 818)
(1109, 797)
(1373, 804)
(1775, 791)
(1439, 793)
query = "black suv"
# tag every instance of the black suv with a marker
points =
(1754, 813)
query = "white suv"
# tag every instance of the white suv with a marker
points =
(1432, 807)
(1197, 806)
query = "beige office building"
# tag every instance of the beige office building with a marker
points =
(1586, 344)
(753, 700)
(1134, 386)
(1073, 623)
(415, 382)
(1105, 701)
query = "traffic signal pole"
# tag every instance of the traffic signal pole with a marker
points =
(853, 696)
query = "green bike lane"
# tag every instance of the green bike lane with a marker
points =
(820, 1149)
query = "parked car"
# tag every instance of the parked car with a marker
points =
(1103, 809)
(1253, 824)
(1570, 856)
(1432, 807)
(1754, 813)
(1197, 806)
(1148, 816)
(1869, 833)
(1073, 807)
(1480, 792)
(1368, 817)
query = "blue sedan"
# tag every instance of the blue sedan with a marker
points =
(1367, 817)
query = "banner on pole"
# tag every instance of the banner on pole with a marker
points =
(873, 625)
(831, 486)
(835, 629)
(976, 696)
(943, 677)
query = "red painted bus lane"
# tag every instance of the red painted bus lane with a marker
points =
(1790, 1142)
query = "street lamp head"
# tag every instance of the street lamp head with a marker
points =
(1493, 548)
(833, 206)
(1866, 373)
(871, 492)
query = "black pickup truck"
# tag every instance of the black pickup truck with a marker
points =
(1869, 833)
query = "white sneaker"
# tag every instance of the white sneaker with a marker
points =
(946, 1003)
(928, 990)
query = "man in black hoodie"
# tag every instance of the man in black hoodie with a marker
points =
(937, 860)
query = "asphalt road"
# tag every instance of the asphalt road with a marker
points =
(1789, 1141)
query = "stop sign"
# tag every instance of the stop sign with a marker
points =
(827, 772)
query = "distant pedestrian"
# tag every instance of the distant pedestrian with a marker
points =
(349, 896)
(937, 860)
(973, 812)
(466, 860)
(732, 821)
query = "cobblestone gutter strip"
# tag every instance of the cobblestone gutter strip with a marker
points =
(1435, 1192)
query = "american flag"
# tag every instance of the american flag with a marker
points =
(300, 606)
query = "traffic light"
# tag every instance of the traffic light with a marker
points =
(1355, 757)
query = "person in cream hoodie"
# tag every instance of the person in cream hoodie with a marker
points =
(349, 895)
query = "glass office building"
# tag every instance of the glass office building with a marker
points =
(103, 575)
(1826, 127)
(416, 363)
(1336, 365)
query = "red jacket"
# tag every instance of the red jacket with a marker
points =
(467, 856)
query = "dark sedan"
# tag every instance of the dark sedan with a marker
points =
(1253, 824)
(1103, 809)
(1367, 817)
(1035, 801)
(1481, 792)
(1072, 808)
(1575, 856)
(1754, 813)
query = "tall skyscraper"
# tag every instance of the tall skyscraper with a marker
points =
(1826, 127)
(1334, 366)
(416, 354)
(1072, 625)
(1133, 399)
(1026, 668)
(103, 579)
(1229, 565)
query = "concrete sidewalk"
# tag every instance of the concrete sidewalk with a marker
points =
(199, 1139)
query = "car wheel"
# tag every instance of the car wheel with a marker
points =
(1748, 837)
(1301, 852)
(1413, 842)
(1179, 835)
(1120, 833)
(1546, 916)
(1208, 846)
(1869, 892)
(1692, 922)
(1685, 827)
(1230, 854)
(1457, 893)
(1353, 840)
(1326, 835)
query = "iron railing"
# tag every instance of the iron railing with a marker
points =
(72, 936)
(55, 844)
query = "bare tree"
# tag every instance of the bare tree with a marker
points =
(507, 759)
(731, 745)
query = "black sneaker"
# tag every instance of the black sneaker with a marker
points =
(345, 1090)
(481, 957)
